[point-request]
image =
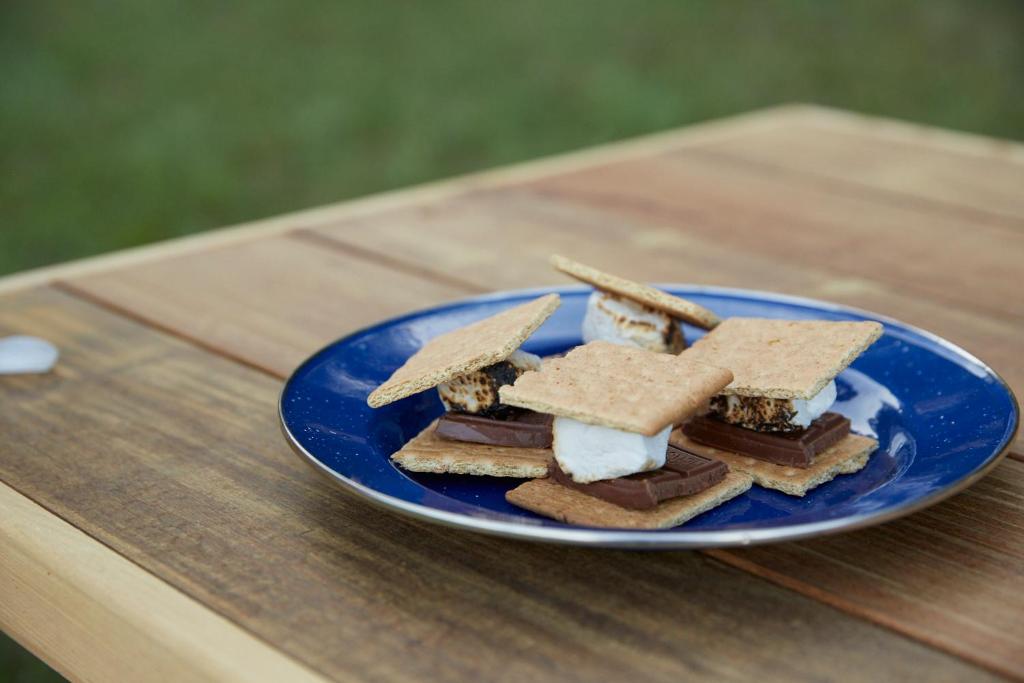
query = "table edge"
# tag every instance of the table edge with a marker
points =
(701, 132)
(88, 601)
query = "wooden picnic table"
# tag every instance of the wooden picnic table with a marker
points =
(154, 525)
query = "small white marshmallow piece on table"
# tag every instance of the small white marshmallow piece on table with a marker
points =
(25, 355)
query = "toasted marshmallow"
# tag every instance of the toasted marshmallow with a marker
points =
(477, 392)
(773, 414)
(623, 321)
(590, 453)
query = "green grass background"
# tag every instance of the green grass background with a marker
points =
(125, 122)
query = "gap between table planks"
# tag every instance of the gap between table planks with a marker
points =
(657, 235)
(189, 479)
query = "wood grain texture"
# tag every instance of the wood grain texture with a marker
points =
(900, 131)
(983, 186)
(944, 569)
(946, 259)
(95, 616)
(269, 303)
(171, 456)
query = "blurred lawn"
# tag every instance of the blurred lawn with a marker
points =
(124, 122)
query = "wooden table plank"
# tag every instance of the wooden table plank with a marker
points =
(984, 182)
(472, 238)
(96, 616)
(942, 570)
(268, 303)
(189, 479)
(943, 258)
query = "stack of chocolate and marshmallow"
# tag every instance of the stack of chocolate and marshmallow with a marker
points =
(633, 314)
(614, 408)
(468, 366)
(773, 420)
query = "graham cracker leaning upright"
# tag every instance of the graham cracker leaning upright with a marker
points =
(787, 359)
(675, 306)
(618, 386)
(465, 350)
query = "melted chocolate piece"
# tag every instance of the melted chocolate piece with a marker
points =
(521, 428)
(796, 449)
(683, 474)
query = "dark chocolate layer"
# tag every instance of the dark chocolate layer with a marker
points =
(522, 429)
(796, 449)
(683, 474)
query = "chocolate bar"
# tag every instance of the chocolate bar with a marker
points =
(522, 429)
(683, 474)
(796, 449)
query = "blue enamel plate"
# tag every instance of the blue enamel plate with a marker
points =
(941, 416)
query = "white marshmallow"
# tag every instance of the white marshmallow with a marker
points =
(629, 323)
(807, 411)
(21, 354)
(590, 453)
(524, 360)
(477, 391)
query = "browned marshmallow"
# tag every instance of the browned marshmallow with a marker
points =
(477, 392)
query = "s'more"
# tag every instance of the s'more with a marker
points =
(613, 409)
(477, 433)
(773, 420)
(634, 314)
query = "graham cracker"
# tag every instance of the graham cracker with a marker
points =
(428, 452)
(470, 348)
(846, 457)
(545, 497)
(618, 386)
(783, 358)
(675, 306)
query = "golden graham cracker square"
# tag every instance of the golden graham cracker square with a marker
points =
(548, 498)
(783, 358)
(428, 452)
(468, 349)
(846, 457)
(675, 306)
(622, 387)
